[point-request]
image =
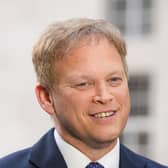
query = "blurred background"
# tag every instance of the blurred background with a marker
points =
(145, 27)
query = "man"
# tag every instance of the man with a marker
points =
(82, 84)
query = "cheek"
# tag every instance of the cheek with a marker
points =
(126, 103)
(123, 98)
(79, 98)
(72, 102)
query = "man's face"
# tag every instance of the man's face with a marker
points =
(91, 97)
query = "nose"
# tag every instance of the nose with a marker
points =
(103, 95)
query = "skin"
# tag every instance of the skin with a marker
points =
(91, 83)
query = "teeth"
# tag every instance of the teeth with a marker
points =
(103, 114)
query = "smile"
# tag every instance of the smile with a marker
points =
(104, 114)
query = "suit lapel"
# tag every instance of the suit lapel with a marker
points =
(45, 154)
(129, 159)
(124, 161)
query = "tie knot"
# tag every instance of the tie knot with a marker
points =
(94, 165)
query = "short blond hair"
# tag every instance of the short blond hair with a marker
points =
(60, 37)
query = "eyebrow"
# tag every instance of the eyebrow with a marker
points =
(120, 72)
(74, 77)
(78, 77)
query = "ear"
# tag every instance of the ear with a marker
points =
(44, 98)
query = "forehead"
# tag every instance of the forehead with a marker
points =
(93, 58)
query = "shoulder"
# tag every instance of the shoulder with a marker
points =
(33, 156)
(135, 159)
(18, 159)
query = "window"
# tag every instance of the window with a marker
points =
(133, 17)
(139, 86)
(137, 135)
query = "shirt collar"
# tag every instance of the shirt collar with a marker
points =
(74, 158)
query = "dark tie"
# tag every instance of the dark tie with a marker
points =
(94, 165)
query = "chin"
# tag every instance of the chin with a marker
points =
(104, 142)
(106, 138)
(111, 133)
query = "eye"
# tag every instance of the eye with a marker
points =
(115, 81)
(82, 85)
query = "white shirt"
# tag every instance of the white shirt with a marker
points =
(74, 158)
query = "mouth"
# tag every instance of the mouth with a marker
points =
(104, 114)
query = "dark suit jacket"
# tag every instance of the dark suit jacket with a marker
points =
(45, 154)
